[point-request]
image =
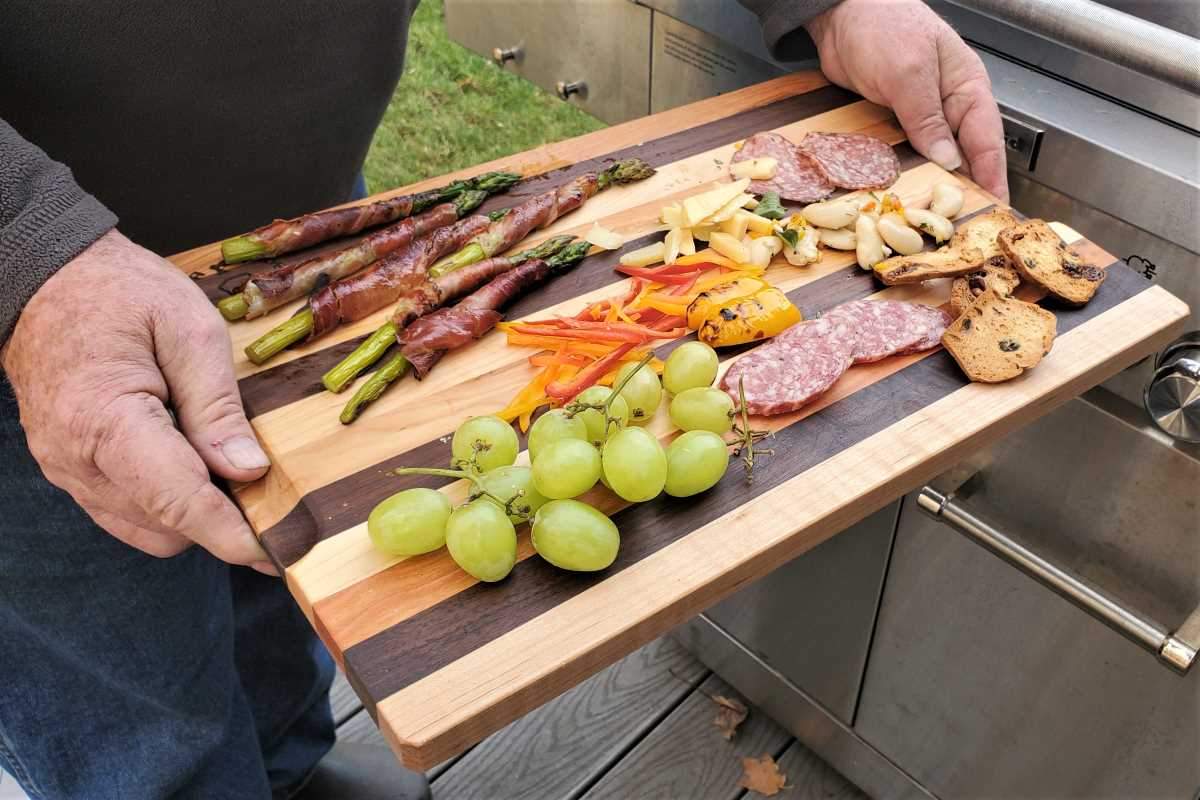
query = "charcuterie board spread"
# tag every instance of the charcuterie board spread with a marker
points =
(600, 262)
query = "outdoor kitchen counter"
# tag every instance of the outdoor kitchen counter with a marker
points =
(440, 660)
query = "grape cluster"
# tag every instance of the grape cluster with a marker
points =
(595, 438)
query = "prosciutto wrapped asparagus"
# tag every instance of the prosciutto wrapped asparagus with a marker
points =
(429, 338)
(268, 291)
(407, 275)
(287, 235)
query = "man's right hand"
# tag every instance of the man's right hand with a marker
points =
(96, 356)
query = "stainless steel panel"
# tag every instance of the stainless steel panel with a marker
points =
(982, 683)
(729, 21)
(811, 619)
(1088, 71)
(603, 44)
(789, 705)
(690, 65)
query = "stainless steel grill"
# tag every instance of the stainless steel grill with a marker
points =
(914, 662)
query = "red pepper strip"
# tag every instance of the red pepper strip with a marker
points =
(649, 275)
(674, 327)
(685, 288)
(588, 375)
(613, 335)
(644, 330)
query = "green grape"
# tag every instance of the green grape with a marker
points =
(696, 461)
(489, 441)
(634, 464)
(690, 365)
(597, 430)
(573, 535)
(410, 523)
(702, 409)
(566, 468)
(504, 484)
(642, 393)
(482, 541)
(552, 426)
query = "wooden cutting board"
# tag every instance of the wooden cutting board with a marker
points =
(440, 660)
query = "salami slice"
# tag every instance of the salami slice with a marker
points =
(797, 177)
(795, 368)
(886, 327)
(853, 160)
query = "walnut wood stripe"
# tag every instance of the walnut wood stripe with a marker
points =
(417, 647)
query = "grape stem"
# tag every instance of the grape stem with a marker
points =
(476, 480)
(577, 407)
(747, 436)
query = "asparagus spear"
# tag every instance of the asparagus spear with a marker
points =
(398, 365)
(489, 243)
(285, 236)
(378, 343)
(272, 289)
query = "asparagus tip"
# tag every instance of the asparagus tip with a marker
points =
(628, 170)
(241, 248)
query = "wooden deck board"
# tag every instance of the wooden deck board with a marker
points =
(686, 757)
(565, 746)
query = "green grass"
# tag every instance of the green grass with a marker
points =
(454, 109)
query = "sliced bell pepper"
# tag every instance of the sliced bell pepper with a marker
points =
(708, 302)
(564, 391)
(650, 275)
(749, 319)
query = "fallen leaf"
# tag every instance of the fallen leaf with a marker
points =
(730, 714)
(762, 775)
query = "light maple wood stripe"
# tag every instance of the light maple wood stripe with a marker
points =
(477, 380)
(480, 692)
(615, 207)
(589, 145)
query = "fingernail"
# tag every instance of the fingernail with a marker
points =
(244, 453)
(945, 154)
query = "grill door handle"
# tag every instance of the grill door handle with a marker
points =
(1176, 650)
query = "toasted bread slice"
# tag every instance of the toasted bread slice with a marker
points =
(996, 275)
(1040, 256)
(982, 231)
(998, 338)
(946, 262)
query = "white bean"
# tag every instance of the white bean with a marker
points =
(832, 213)
(840, 239)
(929, 223)
(947, 200)
(898, 235)
(868, 247)
(773, 244)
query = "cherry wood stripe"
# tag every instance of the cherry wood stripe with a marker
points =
(658, 151)
(415, 648)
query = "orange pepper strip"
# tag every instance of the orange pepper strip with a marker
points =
(706, 256)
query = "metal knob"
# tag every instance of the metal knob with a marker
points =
(1172, 396)
(502, 55)
(567, 88)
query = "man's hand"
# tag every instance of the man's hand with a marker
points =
(900, 54)
(96, 355)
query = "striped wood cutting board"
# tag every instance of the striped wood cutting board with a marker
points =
(440, 660)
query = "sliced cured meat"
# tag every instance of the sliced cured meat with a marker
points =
(853, 160)
(796, 367)
(797, 176)
(887, 327)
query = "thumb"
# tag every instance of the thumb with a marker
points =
(195, 361)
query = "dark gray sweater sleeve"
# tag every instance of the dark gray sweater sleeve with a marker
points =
(783, 25)
(45, 221)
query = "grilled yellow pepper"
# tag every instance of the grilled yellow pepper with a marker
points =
(706, 303)
(749, 319)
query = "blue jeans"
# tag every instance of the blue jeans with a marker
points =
(128, 676)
